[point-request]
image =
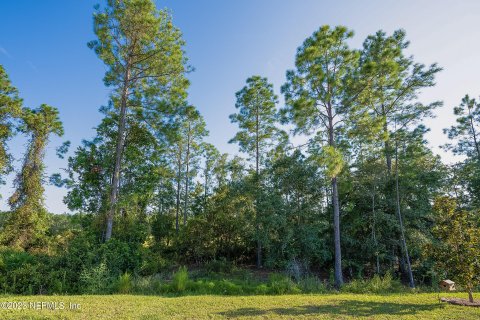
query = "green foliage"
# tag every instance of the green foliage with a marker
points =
(146, 70)
(281, 284)
(331, 159)
(467, 130)
(27, 224)
(10, 105)
(257, 119)
(124, 283)
(376, 285)
(95, 280)
(180, 279)
(148, 166)
(312, 284)
(218, 266)
(458, 247)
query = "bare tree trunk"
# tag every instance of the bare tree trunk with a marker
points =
(336, 210)
(374, 234)
(400, 220)
(257, 177)
(388, 157)
(118, 155)
(470, 296)
(388, 151)
(187, 160)
(179, 178)
(205, 196)
(477, 147)
(336, 230)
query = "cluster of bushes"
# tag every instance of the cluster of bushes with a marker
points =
(181, 283)
(84, 270)
(79, 262)
(84, 266)
(377, 285)
(277, 283)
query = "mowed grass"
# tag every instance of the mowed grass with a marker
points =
(331, 306)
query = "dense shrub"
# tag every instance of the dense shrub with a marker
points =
(312, 284)
(95, 280)
(282, 284)
(23, 273)
(121, 256)
(180, 279)
(376, 285)
(124, 283)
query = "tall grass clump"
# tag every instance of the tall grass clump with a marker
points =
(312, 284)
(95, 280)
(180, 279)
(124, 283)
(377, 285)
(282, 284)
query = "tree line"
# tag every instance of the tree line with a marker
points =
(363, 195)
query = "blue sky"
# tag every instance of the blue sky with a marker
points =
(43, 48)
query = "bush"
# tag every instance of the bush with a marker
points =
(124, 283)
(153, 263)
(295, 269)
(121, 256)
(149, 285)
(281, 284)
(376, 285)
(201, 287)
(312, 285)
(25, 273)
(95, 280)
(219, 266)
(180, 279)
(261, 289)
(227, 287)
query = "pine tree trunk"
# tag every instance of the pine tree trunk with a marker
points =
(472, 126)
(257, 177)
(179, 179)
(400, 220)
(388, 157)
(118, 156)
(336, 228)
(187, 160)
(336, 209)
(205, 191)
(388, 151)
(374, 235)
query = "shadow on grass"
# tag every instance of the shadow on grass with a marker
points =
(352, 308)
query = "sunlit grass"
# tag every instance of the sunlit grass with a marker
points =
(331, 306)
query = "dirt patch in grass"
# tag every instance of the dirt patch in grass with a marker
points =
(461, 302)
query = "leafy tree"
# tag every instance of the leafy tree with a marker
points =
(257, 120)
(393, 90)
(466, 174)
(10, 108)
(211, 158)
(467, 130)
(146, 64)
(194, 131)
(186, 146)
(458, 250)
(28, 221)
(316, 94)
(391, 102)
(90, 169)
(297, 223)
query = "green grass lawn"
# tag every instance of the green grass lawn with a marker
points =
(331, 306)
